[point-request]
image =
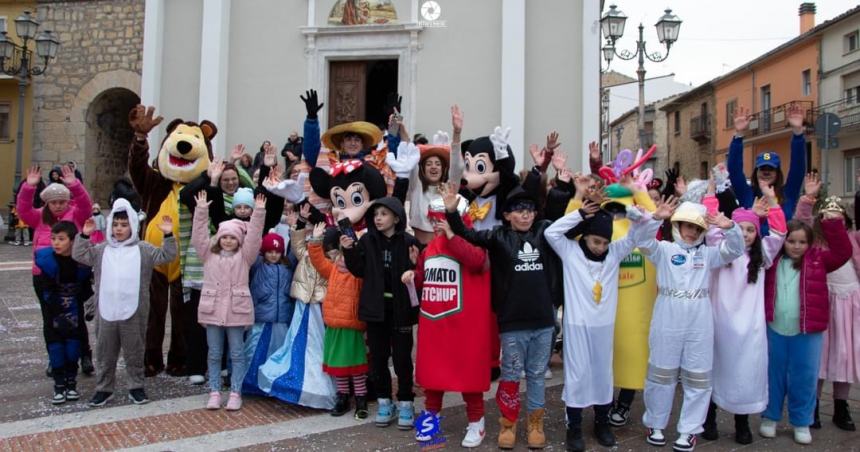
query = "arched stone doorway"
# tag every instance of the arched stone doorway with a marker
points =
(108, 135)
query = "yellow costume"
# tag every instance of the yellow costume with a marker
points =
(637, 290)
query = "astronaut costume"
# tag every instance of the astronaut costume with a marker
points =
(682, 327)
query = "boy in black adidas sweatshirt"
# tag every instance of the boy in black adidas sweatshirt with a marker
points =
(526, 281)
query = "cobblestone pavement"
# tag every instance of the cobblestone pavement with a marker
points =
(176, 421)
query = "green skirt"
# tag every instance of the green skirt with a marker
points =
(344, 352)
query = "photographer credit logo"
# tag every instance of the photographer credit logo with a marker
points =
(429, 434)
(430, 14)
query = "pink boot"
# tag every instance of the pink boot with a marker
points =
(214, 402)
(235, 402)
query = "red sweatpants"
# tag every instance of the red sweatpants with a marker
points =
(474, 403)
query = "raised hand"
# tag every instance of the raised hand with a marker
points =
(680, 186)
(761, 207)
(456, 119)
(405, 161)
(319, 230)
(742, 119)
(34, 175)
(236, 152)
(538, 155)
(68, 175)
(216, 167)
(594, 151)
(581, 183)
(565, 175)
(500, 138)
(273, 179)
(449, 196)
(552, 141)
(719, 220)
(559, 161)
(413, 254)
(305, 211)
(408, 277)
(201, 200)
(795, 118)
(260, 201)
(589, 208)
(142, 120)
(89, 227)
(665, 208)
(166, 225)
(768, 191)
(712, 186)
(446, 228)
(312, 105)
(812, 184)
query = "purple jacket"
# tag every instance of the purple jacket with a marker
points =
(817, 263)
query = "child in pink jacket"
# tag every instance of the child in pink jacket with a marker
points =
(225, 299)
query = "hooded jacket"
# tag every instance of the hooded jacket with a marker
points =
(364, 260)
(270, 291)
(817, 263)
(225, 299)
(511, 252)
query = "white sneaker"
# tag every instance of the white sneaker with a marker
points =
(474, 434)
(767, 429)
(802, 435)
(655, 437)
(548, 374)
(197, 379)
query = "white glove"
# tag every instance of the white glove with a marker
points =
(634, 214)
(406, 160)
(499, 138)
(441, 138)
(291, 190)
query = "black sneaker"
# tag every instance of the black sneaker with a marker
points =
(138, 396)
(59, 395)
(100, 399)
(685, 443)
(72, 393)
(87, 365)
(361, 412)
(341, 404)
(655, 437)
(619, 415)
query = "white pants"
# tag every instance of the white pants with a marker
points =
(679, 348)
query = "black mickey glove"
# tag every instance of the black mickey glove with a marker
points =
(312, 105)
(671, 178)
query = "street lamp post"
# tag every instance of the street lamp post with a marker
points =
(17, 61)
(612, 25)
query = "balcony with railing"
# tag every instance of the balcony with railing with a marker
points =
(775, 120)
(700, 128)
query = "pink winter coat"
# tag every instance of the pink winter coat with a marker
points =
(80, 209)
(225, 299)
(817, 263)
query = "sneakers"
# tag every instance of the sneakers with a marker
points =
(197, 379)
(767, 429)
(72, 394)
(214, 402)
(234, 403)
(474, 434)
(341, 404)
(138, 396)
(16, 243)
(100, 399)
(619, 415)
(422, 438)
(655, 437)
(87, 365)
(384, 413)
(685, 443)
(802, 435)
(361, 412)
(405, 415)
(27, 243)
(59, 395)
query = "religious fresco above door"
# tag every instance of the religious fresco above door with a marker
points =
(362, 12)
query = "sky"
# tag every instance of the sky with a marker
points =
(715, 36)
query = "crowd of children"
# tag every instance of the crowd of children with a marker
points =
(305, 292)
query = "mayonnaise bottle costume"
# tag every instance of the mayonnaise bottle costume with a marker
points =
(682, 329)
